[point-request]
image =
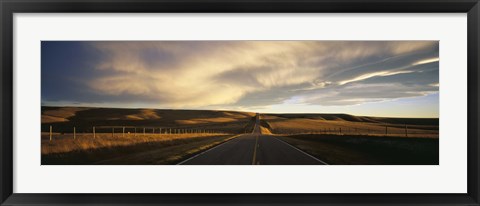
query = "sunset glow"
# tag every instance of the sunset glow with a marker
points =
(374, 78)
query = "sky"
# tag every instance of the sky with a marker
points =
(368, 78)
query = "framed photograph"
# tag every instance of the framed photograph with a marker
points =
(239, 102)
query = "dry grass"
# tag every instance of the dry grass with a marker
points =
(171, 154)
(367, 150)
(61, 114)
(134, 147)
(346, 139)
(143, 114)
(281, 125)
(63, 143)
(207, 120)
(146, 153)
(63, 119)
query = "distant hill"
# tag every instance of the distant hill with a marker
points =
(352, 118)
(64, 118)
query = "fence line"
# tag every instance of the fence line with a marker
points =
(105, 129)
(389, 130)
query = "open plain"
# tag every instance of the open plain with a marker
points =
(109, 136)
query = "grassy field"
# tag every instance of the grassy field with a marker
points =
(170, 135)
(343, 139)
(335, 138)
(367, 150)
(140, 150)
(62, 143)
(349, 125)
(63, 119)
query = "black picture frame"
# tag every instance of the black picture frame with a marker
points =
(10, 7)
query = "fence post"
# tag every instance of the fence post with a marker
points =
(144, 131)
(134, 132)
(93, 132)
(50, 132)
(340, 130)
(406, 130)
(153, 130)
(74, 133)
(113, 132)
(123, 131)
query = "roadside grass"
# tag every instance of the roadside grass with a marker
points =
(367, 150)
(164, 151)
(168, 155)
(62, 143)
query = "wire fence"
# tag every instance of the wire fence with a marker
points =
(388, 130)
(125, 131)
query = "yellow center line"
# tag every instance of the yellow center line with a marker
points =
(255, 150)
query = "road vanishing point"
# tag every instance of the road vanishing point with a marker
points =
(255, 148)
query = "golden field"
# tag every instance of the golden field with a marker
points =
(342, 124)
(62, 143)
(172, 135)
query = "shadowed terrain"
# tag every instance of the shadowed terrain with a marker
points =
(134, 136)
(63, 119)
(203, 137)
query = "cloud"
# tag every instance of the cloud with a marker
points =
(373, 74)
(426, 61)
(251, 74)
(354, 94)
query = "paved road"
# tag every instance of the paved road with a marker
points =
(254, 148)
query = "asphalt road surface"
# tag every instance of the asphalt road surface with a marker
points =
(254, 149)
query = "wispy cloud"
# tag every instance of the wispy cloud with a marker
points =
(426, 61)
(249, 74)
(373, 74)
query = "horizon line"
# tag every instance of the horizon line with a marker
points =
(113, 107)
